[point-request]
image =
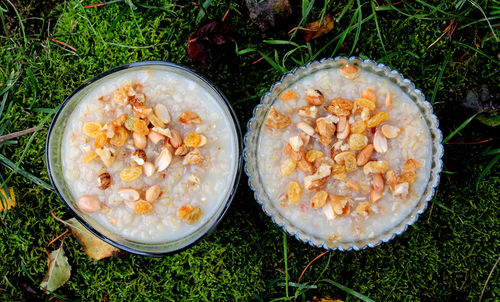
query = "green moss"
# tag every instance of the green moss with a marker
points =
(446, 255)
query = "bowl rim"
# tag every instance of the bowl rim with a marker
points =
(380, 237)
(238, 165)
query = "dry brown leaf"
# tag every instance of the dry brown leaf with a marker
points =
(59, 270)
(318, 28)
(94, 247)
(8, 201)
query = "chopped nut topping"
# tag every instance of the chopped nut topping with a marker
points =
(369, 94)
(341, 107)
(129, 194)
(189, 117)
(380, 142)
(325, 127)
(162, 113)
(306, 128)
(365, 155)
(277, 120)
(389, 131)
(308, 112)
(314, 97)
(296, 143)
(192, 157)
(139, 157)
(363, 209)
(181, 151)
(175, 138)
(163, 160)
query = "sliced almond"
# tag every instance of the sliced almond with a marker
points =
(390, 131)
(163, 131)
(175, 138)
(163, 160)
(388, 100)
(378, 182)
(89, 204)
(402, 189)
(152, 193)
(380, 142)
(148, 168)
(140, 141)
(203, 140)
(375, 196)
(306, 128)
(155, 137)
(328, 211)
(365, 155)
(162, 113)
(129, 194)
(276, 119)
(182, 150)
(343, 128)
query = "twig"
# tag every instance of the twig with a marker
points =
(470, 143)
(16, 134)
(64, 44)
(260, 59)
(447, 29)
(489, 276)
(309, 264)
(54, 240)
(225, 15)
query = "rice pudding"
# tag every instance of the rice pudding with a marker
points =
(150, 155)
(344, 154)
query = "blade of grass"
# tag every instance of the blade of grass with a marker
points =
(117, 19)
(348, 290)
(11, 165)
(488, 279)
(358, 30)
(201, 13)
(344, 10)
(21, 24)
(438, 81)
(451, 135)
(492, 59)
(487, 169)
(285, 257)
(377, 27)
(491, 152)
(486, 17)
(34, 83)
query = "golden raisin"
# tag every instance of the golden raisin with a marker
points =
(92, 129)
(192, 139)
(129, 122)
(287, 167)
(350, 163)
(184, 211)
(338, 169)
(313, 155)
(366, 103)
(376, 119)
(90, 156)
(100, 139)
(143, 207)
(358, 127)
(293, 192)
(357, 141)
(194, 216)
(120, 137)
(340, 107)
(140, 127)
(319, 199)
(129, 174)
(288, 95)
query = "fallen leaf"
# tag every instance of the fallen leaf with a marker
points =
(59, 271)
(318, 28)
(94, 247)
(9, 201)
(210, 43)
(268, 14)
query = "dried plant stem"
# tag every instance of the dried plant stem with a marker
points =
(16, 134)
(487, 280)
(309, 264)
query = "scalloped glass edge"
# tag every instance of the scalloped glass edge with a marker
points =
(252, 136)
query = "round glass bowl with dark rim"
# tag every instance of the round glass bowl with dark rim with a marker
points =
(271, 202)
(54, 159)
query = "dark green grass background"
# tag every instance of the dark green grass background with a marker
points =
(446, 256)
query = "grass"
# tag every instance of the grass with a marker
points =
(446, 256)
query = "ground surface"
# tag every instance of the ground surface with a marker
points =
(446, 256)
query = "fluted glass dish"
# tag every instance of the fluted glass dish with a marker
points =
(269, 203)
(54, 158)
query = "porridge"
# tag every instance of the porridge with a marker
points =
(150, 155)
(344, 154)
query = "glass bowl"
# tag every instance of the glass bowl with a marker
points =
(270, 205)
(55, 162)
